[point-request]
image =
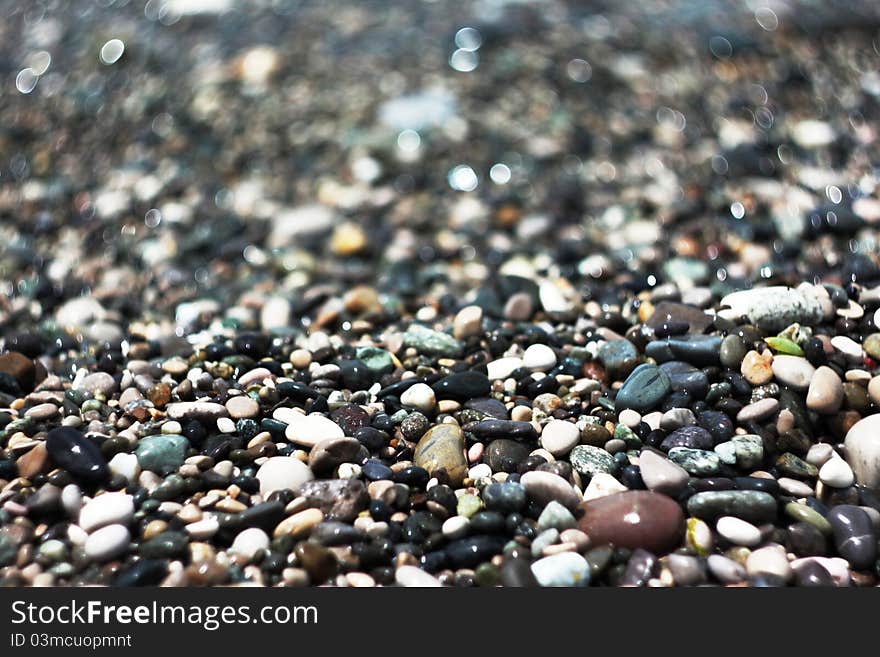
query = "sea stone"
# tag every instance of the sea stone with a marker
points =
(441, 449)
(634, 519)
(862, 444)
(774, 308)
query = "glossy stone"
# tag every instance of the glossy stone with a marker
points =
(71, 450)
(162, 454)
(750, 505)
(854, 535)
(634, 519)
(643, 389)
(441, 448)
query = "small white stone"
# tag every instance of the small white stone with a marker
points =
(419, 396)
(848, 347)
(71, 500)
(225, 425)
(203, 529)
(819, 454)
(795, 487)
(107, 509)
(309, 430)
(770, 560)
(539, 358)
(412, 577)
(125, 465)
(502, 368)
(738, 532)
(479, 471)
(725, 570)
(836, 473)
(455, 527)
(602, 484)
(468, 322)
(107, 542)
(559, 437)
(629, 418)
(250, 542)
(563, 569)
(282, 473)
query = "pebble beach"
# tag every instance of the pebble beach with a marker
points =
(423, 294)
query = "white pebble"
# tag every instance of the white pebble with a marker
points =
(107, 509)
(738, 532)
(412, 577)
(455, 527)
(559, 437)
(250, 542)
(503, 367)
(539, 358)
(125, 465)
(107, 542)
(419, 396)
(480, 471)
(836, 473)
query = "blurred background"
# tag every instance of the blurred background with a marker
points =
(180, 164)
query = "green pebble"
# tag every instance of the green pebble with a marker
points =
(377, 360)
(628, 436)
(91, 405)
(803, 513)
(871, 345)
(784, 346)
(54, 550)
(428, 341)
(794, 466)
(163, 454)
(487, 574)
(468, 505)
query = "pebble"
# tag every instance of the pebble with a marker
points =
(634, 519)
(862, 448)
(107, 543)
(725, 570)
(441, 450)
(98, 382)
(825, 392)
(643, 389)
(107, 509)
(774, 308)
(793, 371)
(419, 396)
(559, 437)
(854, 535)
(836, 473)
(242, 406)
(749, 505)
(770, 560)
(738, 532)
(501, 368)
(162, 454)
(412, 577)
(756, 368)
(309, 430)
(249, 543)
(282, 473)
(543, 487)
(71, 450)
(662, 475)
(563, 569)
(468, 322)
(589, 460)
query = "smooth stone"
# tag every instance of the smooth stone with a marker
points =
(195, 410)
(539, 358)
(750, 505)
(107, 509)
(684, 377)
(559, 437)
(634, 519)
(329, 454)
(71, 450)
(431, 342)
(544, 487)
(686, 570)
(563, 569)
(835, 568)
(505, 497)
(793, 371)
(555, 516)
(455, 527)
(759, 410)
(825, 394)
(504, 455)
(107, 542)
(698, 462)
(19, 367)
(98, 382)
(836, 473)
(501, 368)
(589, 460)
(725, 570)
(662, 475)
(670, 311)
(862, 447)
(474, 550)
(413, 577)
(242, 406)
(700, 350)
(441, 449)
(463, 386)
(125, 465)
(419, 396)
(42, 412)
(769, 560)
(774, 308)
(616, 354)
(338, 499)
(601, 485)
(693, 437)
(282, 473)
(468, 322)
(309, 430)
(756, 369)
(249, 543)
(738, 531)
(163, 453)
(732, 351)
(744, 451)
(643, 389)
(854, 535)
(819, 454)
